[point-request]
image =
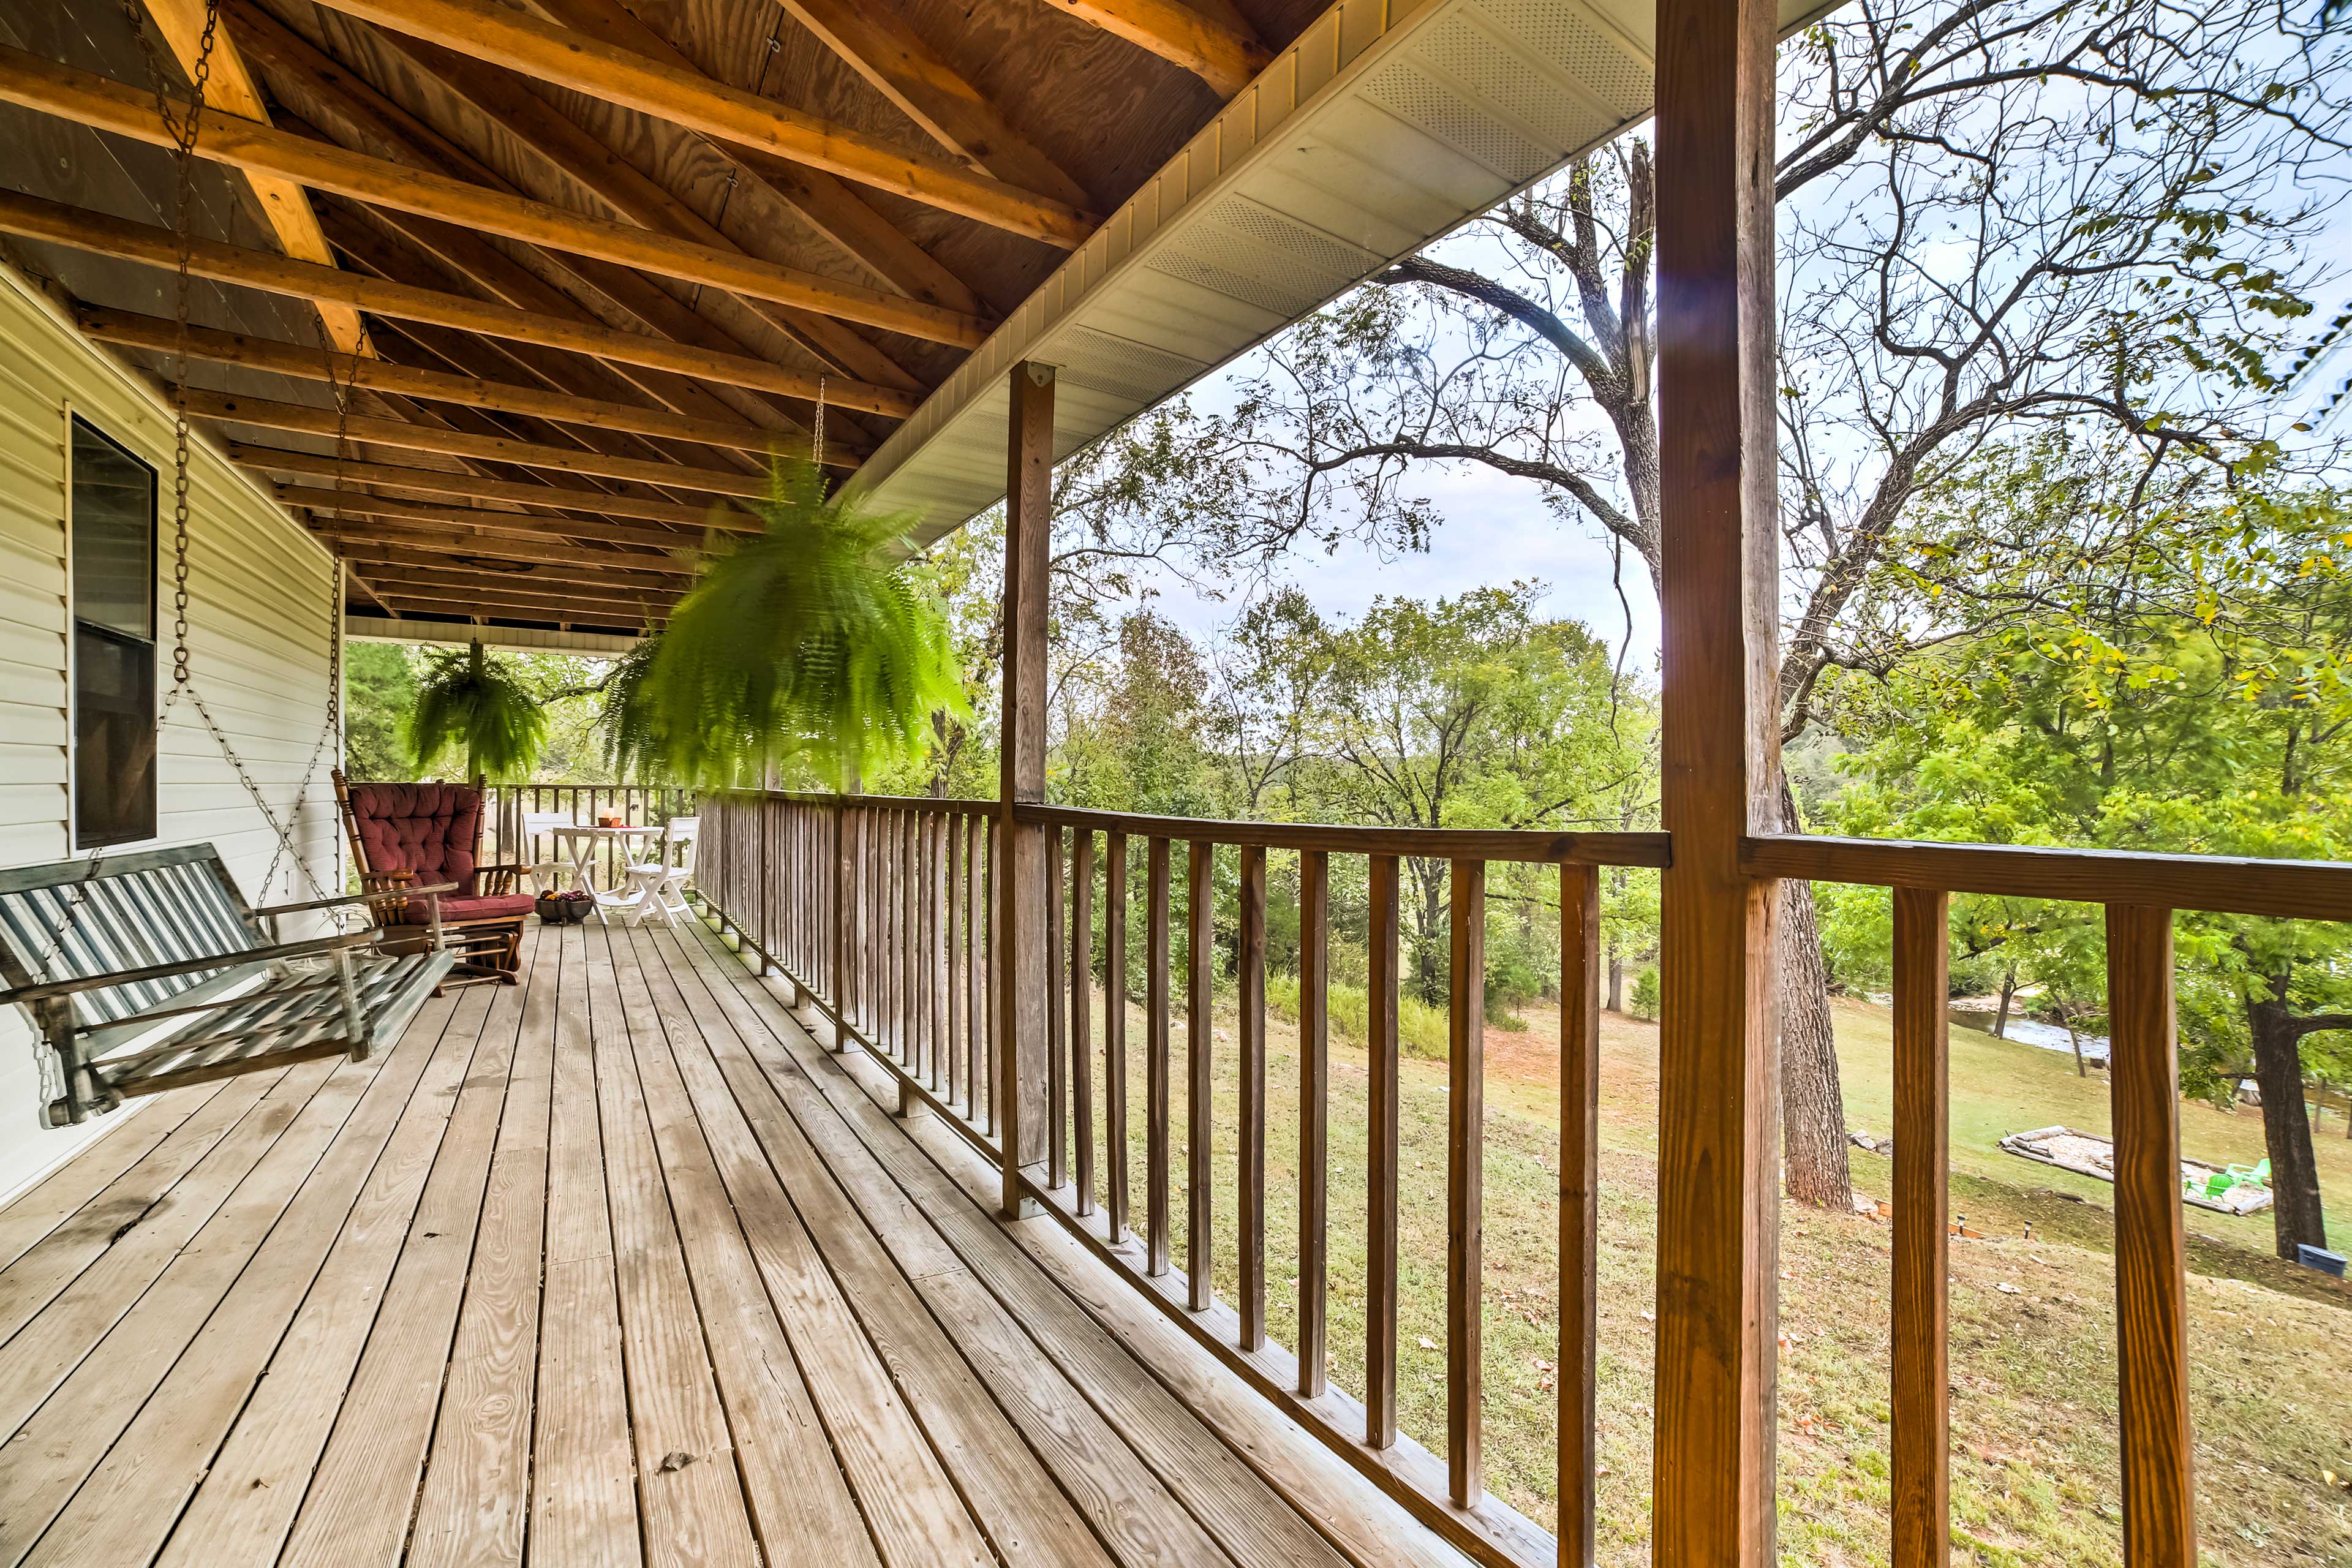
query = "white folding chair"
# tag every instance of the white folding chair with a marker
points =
(549, 872)
(656, 886)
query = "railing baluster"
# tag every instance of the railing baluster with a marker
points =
(994, 831)
(1314, 1112)
(1253, 1096)
(925, 927)
(1082, 983)
(2151, 1255)
(837, 914)
(1464, 1146)
(1200, 940)
(1115, 1032)
(1058, 1027)
(1920, 1385)
(1381, 1307)
(1579, 1209)
(950, 834)
(974, 1011)
(1155, 1058)
(909, 947)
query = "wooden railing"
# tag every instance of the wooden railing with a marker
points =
(2139, 894)
(880, 910)
(502, 838)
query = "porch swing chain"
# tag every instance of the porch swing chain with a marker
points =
(184, 129)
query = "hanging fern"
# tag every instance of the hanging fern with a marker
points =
(796, 649)
(631, 721)
(470, 702)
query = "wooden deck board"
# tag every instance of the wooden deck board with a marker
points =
(455, 1308)
(1246, 1513)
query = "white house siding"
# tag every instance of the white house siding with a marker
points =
(259, 629)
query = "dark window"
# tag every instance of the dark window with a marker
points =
(113, 545)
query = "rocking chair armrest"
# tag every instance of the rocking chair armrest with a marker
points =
(498, 878)
(47, 989)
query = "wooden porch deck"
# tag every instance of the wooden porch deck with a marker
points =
(615, 1265)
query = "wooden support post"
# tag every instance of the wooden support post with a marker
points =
(2151, 1255)
(1580, 1210)
(1017, 934)
(1718, 1080)
(1920, 1385)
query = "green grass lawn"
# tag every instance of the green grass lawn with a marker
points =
(2033, 1365)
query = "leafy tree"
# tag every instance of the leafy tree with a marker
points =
(1272, 667)
(1995, 214)
(379, 691)
(2122, 722)
(1468, 712)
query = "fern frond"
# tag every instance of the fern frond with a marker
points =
(796, 648)
(474, 704)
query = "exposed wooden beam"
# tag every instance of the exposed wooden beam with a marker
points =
(369, 118)
(1209, 38)
(31, 82)
(877, 43)
(559, 55)
(396, 579)
(458, 603)
(588, 577)
(229, 87)
(439, 386)
(832, 209)
(511, 524)
(436, 482)
(375, 533)
(265, 414)
(576, 153)
(406, 249)
(108, 235)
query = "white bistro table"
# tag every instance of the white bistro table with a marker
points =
(582, 841)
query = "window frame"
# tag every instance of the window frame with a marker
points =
(77, 844)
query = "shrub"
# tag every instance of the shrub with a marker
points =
(1644, 1002)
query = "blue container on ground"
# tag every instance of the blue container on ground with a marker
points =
(2319, 1258)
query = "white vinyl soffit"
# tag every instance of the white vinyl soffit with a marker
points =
(1383, 128)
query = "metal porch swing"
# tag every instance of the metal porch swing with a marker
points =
(147, 971)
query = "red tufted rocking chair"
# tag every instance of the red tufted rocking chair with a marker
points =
(410, 835)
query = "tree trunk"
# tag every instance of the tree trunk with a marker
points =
(2296, 1212)
(2075, 1040)
(2007, 994)
(1813, 1103)
(1616, 981)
